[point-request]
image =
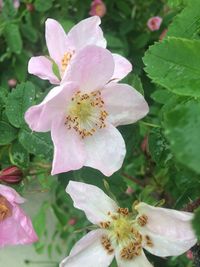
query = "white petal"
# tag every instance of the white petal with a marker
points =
(87, 32)
(89, 252)
(123, 103)
(165, 246)
(92, 200)
(105, 150)
(122, 67)
(91, 68)
(138, 261)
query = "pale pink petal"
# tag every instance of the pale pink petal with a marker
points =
(68, 148)
(11, 195)
(122, 67)
(169, 223)
(42, 67)
(105, 150)
(137, 261)
(89, 252)
(92, 200)
(166, 246)
(17, 229)
(40, 117)
(87, 32)
(56, 40)
(123, 103)
(92, 68)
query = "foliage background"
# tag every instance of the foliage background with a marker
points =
(162, 161)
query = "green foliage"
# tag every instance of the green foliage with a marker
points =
(196, 223)
(175, 64)
(7, 133)
(13, 38)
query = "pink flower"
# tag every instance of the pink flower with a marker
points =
(64, 48)
(16, 4)
(12, 82)
(15, 227)
(154, 23)
(123, 234)
(98, 8)
(82, 114)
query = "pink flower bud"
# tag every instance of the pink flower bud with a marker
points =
(16, 4)
(30, 7)
(12, 82)
(98, 8)
(189, 255)
(72, 221)
(11, 175)
(129, 191)
(154, 23)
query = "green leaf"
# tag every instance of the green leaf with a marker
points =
(7, 133)
(13, 38)
(43, 6)
(175, 64)
(161, 95)
(196, 223)
(187, 23)
(56, 70)
(19, 100)
(36, 143)
(182, 128)
(19, 155)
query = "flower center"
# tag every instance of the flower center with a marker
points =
(65, 60)
(5, 208)
(123, 231)
(86, 113)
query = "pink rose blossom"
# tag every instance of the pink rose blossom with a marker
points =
(83, 112)
(154, 23)
(63, 49)
(98, 8)
(15, 227)
(123, 234)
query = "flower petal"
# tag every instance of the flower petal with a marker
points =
(68, 148)
(17, 229)
(168, 227)
(56, 40)
(122, 67)
(165, 246)
(11, 195)
(91, 68)
(88, 251)
(92, 200)
(42, 67)
(105, 150)
(87, 32)
(123, 103)
(40, 117)
(138, 261)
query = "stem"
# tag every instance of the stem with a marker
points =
(150, 124)
(133, 179)
(40, 262)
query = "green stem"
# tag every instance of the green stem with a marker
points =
(150, 124)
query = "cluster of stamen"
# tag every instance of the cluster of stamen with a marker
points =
(123, 231)
(5, 208)
(86, 113)
(65, 60)
(105, 241)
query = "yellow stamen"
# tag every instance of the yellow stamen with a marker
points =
(5, 208)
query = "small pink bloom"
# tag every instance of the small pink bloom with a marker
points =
(125, 235)
(11, 175)
(189, 255)
(98, 8)
(129, 191)
(12, 82)
(163, 34)
(63, 51)
(30, 7)
(72, 221)
(154, 23)
(83, 112)
(16, 4)
(15, 227)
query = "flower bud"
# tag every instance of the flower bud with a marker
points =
(189, 255)
(98, 8)
(30, 7)
(11, 175)
(154, 23)
(72, 221)
(12, 82)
